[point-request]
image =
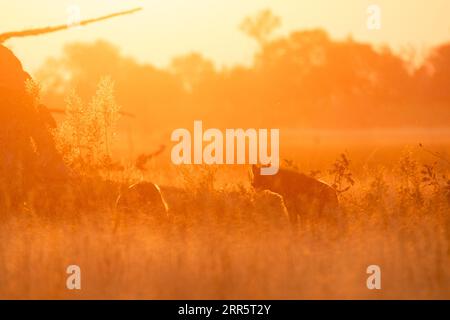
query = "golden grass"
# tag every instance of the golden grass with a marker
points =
(222, 242)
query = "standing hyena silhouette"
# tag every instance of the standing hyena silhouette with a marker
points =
(305, 197)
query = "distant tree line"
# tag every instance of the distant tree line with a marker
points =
(301, 80)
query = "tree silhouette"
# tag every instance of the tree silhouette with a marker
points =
(260, 26)
(439, 64)
(308, 78)
(192, 69)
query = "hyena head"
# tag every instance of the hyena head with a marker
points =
(259, 181)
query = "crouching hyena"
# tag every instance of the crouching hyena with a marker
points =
(143, 197)
(304, 197)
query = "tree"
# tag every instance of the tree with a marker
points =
(260, 26)
(192, 69)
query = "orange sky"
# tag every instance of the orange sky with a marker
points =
(167, 28)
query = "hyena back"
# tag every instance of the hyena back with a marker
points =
(304, 196)
(142, 196)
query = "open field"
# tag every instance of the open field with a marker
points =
(223, 241)
(347, 105)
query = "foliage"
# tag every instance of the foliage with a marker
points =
(225, 243)
(343, 178)
(86, 135)
(260, 26)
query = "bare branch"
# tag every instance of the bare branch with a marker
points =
(40, 31)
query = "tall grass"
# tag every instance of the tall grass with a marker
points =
(223, 240)
(86, 135)
(227, 242)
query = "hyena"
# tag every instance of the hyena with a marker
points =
(144, 197)
(304, 197)
(273, 206)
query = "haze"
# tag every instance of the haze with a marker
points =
(172, 27)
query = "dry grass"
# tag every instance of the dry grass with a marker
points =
(223, 242)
